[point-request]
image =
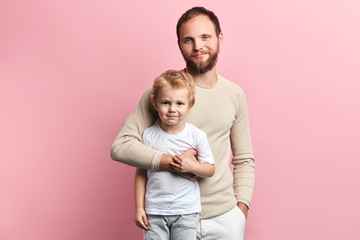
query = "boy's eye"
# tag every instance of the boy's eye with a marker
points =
(165, 103)
(180, 103)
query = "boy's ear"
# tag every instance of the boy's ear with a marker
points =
(153, 102)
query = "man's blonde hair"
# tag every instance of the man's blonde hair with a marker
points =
(177, 80)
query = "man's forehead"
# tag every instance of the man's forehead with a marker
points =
(200, 24)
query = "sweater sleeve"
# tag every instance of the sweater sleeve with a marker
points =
(127, 147)
(243, 158)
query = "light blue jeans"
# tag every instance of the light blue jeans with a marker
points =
(174, 227)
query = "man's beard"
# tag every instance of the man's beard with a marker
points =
(197, 68)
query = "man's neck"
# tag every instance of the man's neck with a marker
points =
(206, 80)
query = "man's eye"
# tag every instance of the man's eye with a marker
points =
(205, 37)
(187, 41)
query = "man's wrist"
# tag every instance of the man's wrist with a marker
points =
(164, 162)
(243, 205)
(244, 208)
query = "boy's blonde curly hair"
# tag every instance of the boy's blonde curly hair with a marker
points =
(177, 80)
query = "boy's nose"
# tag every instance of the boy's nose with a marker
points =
(171, 108)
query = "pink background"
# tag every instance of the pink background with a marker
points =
(71, 71)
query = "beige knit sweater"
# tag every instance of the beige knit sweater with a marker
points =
(220, 111)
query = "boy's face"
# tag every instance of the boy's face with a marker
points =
(199, 44)
(172, 106)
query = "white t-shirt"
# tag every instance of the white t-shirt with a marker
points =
(166, 192)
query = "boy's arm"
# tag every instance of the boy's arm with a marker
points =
(140, 188)
(167, 161)
(201, 166)
(193, 166)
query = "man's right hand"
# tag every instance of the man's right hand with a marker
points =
(189, 155)
(189, 176)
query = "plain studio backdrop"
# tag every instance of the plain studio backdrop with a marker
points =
(71, 72)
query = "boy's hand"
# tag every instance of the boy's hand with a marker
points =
(185, 162)
(183, 165)
(141, 219)
(188, 163)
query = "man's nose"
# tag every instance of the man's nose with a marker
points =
(198, 45)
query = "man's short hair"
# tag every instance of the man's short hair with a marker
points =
(195, 11)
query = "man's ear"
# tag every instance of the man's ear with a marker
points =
(178, 43)
(221, 39)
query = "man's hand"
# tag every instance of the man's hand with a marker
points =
(243, 208)
(185, 162)
(189, 176)
(167, 161)
(183, 165)
(141, 219)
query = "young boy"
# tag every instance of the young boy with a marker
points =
(172, 203)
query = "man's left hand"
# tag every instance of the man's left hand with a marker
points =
(243, 208)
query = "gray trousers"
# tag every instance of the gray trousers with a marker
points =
(174, 227)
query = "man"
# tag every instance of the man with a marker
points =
(221, 111)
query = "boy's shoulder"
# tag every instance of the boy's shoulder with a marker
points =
(153, 129)
(195, 130)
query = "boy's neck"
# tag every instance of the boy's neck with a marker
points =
(171, 129)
